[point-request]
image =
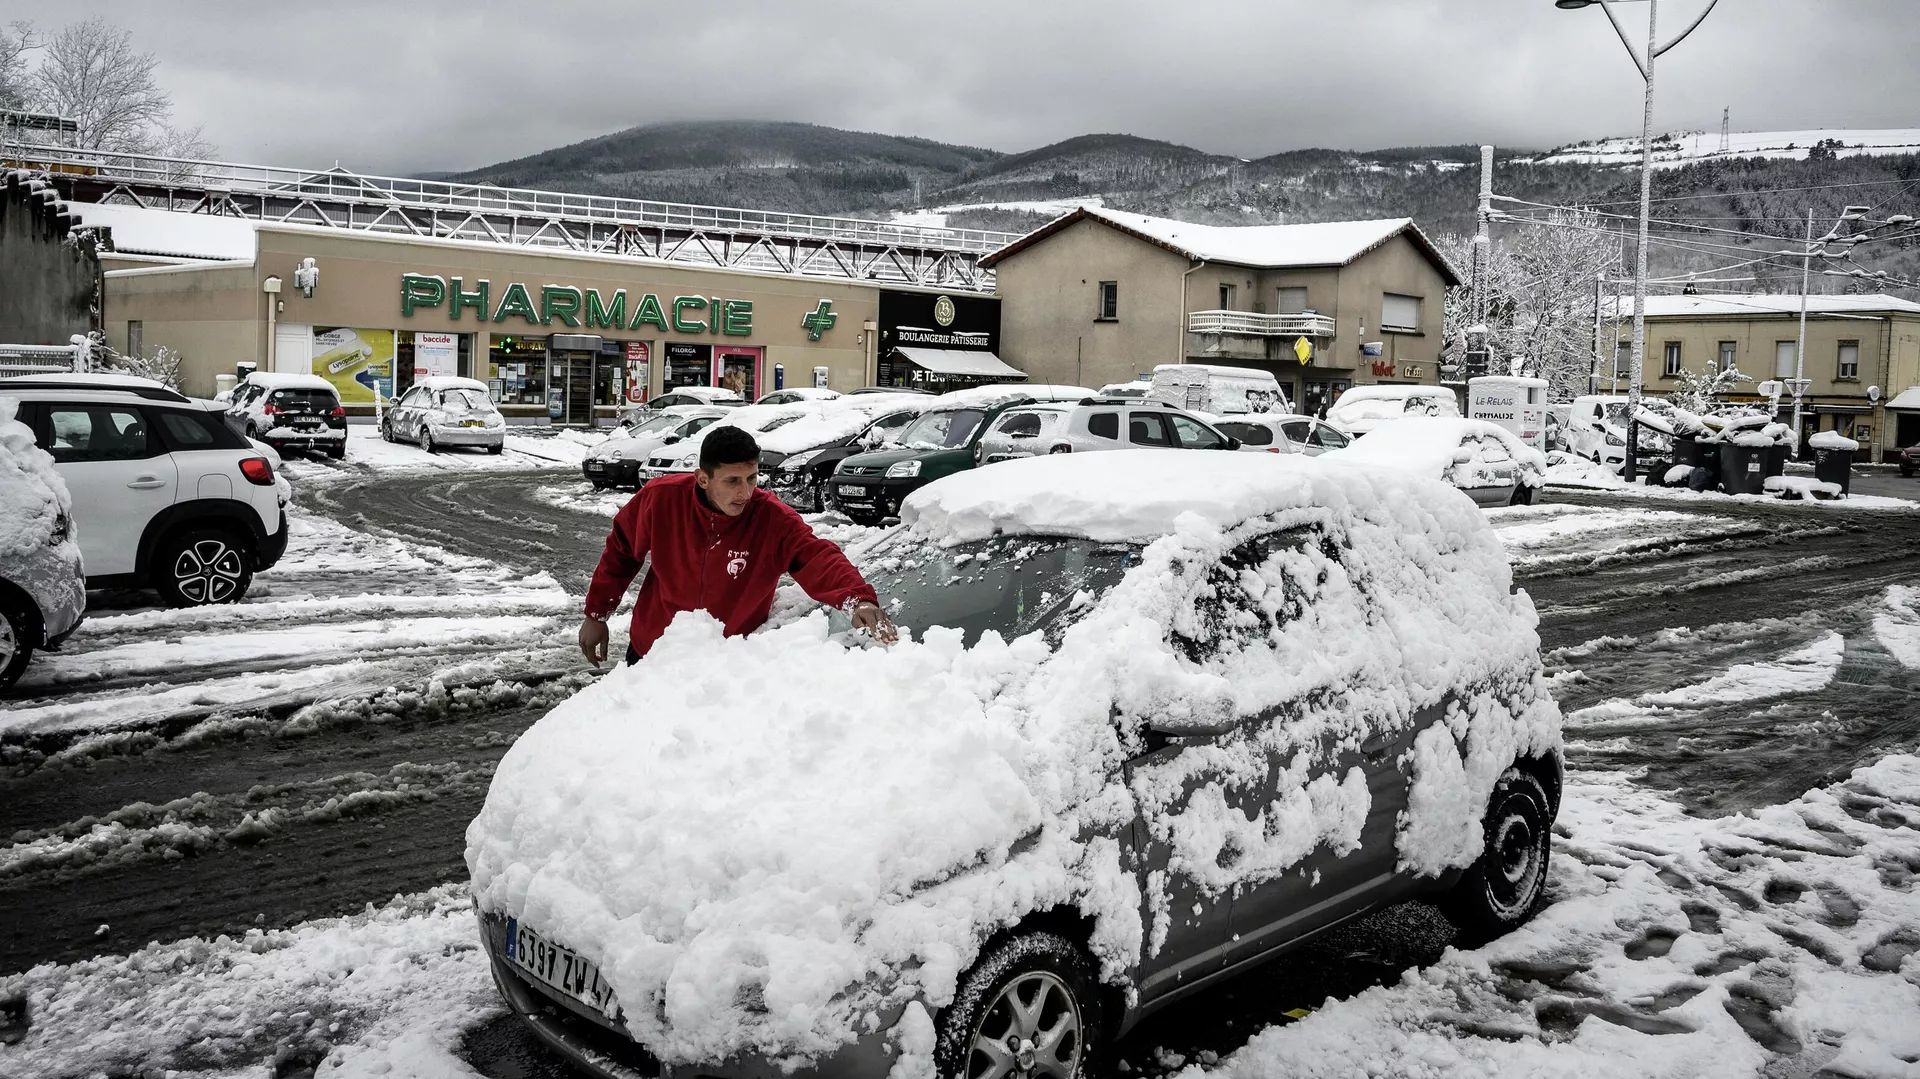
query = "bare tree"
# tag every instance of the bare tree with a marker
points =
(16, 41)
(1540, 299)
(94, 76)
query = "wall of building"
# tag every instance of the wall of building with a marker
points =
(49, 277)
(210, 314)
(1049, 296)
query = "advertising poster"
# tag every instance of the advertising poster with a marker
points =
(435, 354)
(639, 358)
(355, 362)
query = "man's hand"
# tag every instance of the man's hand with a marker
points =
(593, 640)
(869, 619)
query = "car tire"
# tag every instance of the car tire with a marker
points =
(600, 485)
(494, 451)
(199, 566)
(1907, 471)
(386, 431)
(1052, 982)
(1504, 887)
(426, 441)
(16, 642)
(337, 452)
(1522, 496)
(865, 520)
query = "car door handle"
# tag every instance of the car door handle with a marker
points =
(1375, 748)
(147, 483)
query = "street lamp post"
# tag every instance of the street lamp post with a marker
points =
(1645, 65)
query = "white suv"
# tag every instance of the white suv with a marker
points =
(165, 494)
(1104, 423)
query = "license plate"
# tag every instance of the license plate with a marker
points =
(595, 466)
(560, 967)
(307, 425)
(472, 423)
(853, 492)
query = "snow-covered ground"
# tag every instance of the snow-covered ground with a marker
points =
(1688, 147)
(559, 448)
(1566, 470)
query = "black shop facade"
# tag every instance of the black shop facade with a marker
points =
(940, 341)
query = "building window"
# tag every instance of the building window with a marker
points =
(1727, 361)
(1623, 360)
(1849, 360)
(136, 337)
(1109, 309)
(1226, 297)
(1400, 314)
(1671, 359)
(1292, 300)
(1784, 353)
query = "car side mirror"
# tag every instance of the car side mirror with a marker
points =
(1206, 716)
(669, 440)
(1232, 443)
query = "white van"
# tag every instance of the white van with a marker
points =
(1202, 387)
(1597, 429)
(1363, 408)
(1517, 404)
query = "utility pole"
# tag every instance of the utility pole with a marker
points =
(1477, 361)
(1593, 369)
(1800, 350)
(1726, 143)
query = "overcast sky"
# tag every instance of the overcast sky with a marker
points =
(390, 86)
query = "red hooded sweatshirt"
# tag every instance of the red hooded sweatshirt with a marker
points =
(704, 560)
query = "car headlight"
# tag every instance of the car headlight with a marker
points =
(1615, 440)
(900, 470)
(799, 460)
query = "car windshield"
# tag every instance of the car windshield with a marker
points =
(942, 430)
(1014, 585)
(658, 423)
(1617, 414)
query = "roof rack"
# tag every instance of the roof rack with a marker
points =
(151, 393)
(1131, 402)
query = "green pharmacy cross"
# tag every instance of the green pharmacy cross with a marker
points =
(819, 320)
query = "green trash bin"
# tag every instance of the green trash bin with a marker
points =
(1743, 469)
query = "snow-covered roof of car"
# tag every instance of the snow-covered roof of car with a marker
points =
(806, 393)
(1002, 393)
(287, 380)
(1391, 393)
(450, 382)
(705, 393)
(1431, 445)
(1138, 495)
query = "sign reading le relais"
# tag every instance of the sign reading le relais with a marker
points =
(577, 307)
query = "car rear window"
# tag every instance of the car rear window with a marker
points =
(1249, 434)
(1020, 425)
(304, 400)
(1104, 425)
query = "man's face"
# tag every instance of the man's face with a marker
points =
(730, 487)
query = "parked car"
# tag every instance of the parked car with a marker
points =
(797, 462)
(1151, 735)
(684, 455)
(165, 494)
(1100, 423)
(442, 411)
(1136, 388)
(1485, 460)
(1909, 459)
(43, 585)
(716, 396)
(617, 461)
(1274, 432)
(1220, 390)
(1364, 409)
(797, 394)
(891, 389)
(1597, 429)
(290, 412)
(868, 487)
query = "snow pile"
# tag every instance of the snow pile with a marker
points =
(34, 503)
(1465, 453)
(1833, 440)
(1897, 625)
(763, 862)
(1801, 487)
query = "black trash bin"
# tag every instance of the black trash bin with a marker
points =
(1743, 469)
(1834, 466)
(1777, 460)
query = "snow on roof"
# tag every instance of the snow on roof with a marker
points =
(1360, 409)
(102, 379)
(450, 382)
(706, 393)
(138, 230)
(1330, 243)
(995, 396)
(1764, 304)
(32, 494)
(1907, 400)
(1432, 446)
(973, 363)
(288, 380)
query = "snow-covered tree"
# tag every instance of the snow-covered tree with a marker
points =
(92, 74)
(1702, 392)
(15, 42)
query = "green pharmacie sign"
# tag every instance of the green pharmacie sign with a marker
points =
(575, 307)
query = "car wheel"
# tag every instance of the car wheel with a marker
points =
(386, 430)
(864, 520)
(1029, 1007)
(426, 441)
(201, 566)
(1522, 496)
(1907, 471)
(601, 485)
(495, 450)
(1504, 887)
(15, 644)
(337, 452)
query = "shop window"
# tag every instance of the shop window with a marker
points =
(688, 365)
(1400, 314)
(1109, 309)
(1670, 360)
(1849, 367)
(520, 365)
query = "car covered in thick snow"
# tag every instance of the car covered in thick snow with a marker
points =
(678, 396)
(618, 459)
(797, 462)
(443, 411)
(290, 412)
(1096, 424)
(43, 586)
(1485, 460)
(683, 455)
(1365, 409)
(1141, 733)
(1279, 432)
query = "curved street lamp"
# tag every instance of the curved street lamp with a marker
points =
(1645, 64)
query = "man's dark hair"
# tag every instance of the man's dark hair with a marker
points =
(727, 445)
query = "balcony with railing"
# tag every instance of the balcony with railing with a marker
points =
(1257, 324)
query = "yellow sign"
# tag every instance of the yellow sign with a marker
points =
(355, 361)
(1303, 348)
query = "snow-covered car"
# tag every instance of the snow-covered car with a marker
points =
(890, 389)
(684, 455)
(797, 462)
(678, 396)
(1136, 388)
(797, 394)
(441, 411)
(1218, 389)
(43, 586)
(290, 412)
(1485, 460)
(1909, 460)
(1597, 429)
(1274, 432)
(1101, 423)
(617, 460)
(1364, 409)
(166, 495)
(869, 487)
(1135, 741)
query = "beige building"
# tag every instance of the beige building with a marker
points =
(1862, 361)
(1101, 296)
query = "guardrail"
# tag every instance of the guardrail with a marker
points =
(1257, 324)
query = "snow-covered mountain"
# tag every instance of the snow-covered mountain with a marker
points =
(1691, 147)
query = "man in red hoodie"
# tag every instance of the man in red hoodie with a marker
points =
(719, 544)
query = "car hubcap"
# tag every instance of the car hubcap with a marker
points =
(208, 571)
(1031, 1029)
(9, 644)
(1518, 861)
